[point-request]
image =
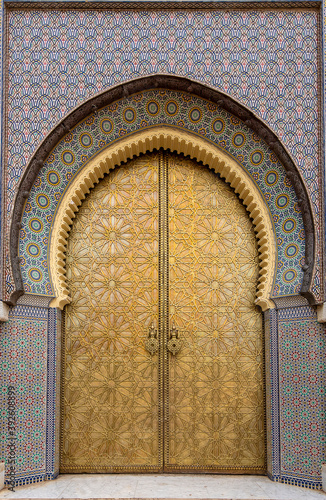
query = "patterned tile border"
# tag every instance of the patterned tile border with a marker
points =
(145, 110)
(272, 395)
(167, 4)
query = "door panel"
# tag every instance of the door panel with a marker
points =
(111, 413)
(215, 382)
(162, 240)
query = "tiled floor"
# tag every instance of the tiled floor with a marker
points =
(124, 486)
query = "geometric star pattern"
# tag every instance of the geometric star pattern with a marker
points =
(216, 385)
(67, 56)
(213, 400)
(110, 399)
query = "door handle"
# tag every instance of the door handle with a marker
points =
(151, 343)
(175, 343)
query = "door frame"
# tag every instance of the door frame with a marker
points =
(162, 158)
(205, 153)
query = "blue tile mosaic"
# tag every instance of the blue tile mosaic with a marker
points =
(141, 111)
(23, 364)
(265, 58)
(302, 393)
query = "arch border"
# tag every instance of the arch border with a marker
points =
(182, 142)
(175, 83)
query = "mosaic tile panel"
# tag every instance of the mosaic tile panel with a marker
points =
(23, 364)
(302, 375)
(141, 111)
(266, 59)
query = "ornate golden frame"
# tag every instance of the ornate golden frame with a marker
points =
(182, 142)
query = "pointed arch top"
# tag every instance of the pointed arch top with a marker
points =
(177, 84)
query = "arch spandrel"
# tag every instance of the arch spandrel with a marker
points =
(191, 119)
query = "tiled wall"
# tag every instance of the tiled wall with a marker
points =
(302, 392)
(265, 58)
(296, 395)
(1, 136)
(27, 362)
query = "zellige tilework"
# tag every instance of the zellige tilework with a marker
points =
(266, 59)
(23, 364)
(302, 375)
(145, 110)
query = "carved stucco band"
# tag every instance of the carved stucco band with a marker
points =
(182, 142)
(177, 84)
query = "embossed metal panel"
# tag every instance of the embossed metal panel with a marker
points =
(111, 413)
(163, 354)
(215, 391)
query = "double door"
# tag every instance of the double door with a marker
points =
(163, 345)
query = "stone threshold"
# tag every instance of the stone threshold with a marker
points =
(161, 487)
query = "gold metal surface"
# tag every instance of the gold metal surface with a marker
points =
(215, 388)
(111, 395)
(162, 239)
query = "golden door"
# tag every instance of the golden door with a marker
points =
(163, 345)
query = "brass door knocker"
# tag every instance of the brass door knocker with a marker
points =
(151, 343)
(174, 344)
